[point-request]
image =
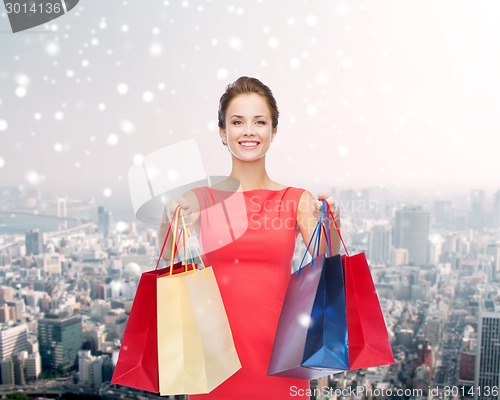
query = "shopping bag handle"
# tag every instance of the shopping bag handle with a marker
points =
(186, 229)
(174, 221)
(330, 214)
(316, 235)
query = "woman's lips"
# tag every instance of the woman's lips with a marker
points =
(249, 144)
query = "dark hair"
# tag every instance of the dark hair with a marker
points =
(242, 85)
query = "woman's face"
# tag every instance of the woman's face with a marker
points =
(249, 132)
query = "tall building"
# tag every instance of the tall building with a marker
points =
(379, 244)
(34, 242)
(103, 220)
(7, 375)
(443, 213)
(477, 209)
(411, 232)
(496, 209)
(60, 338)
(89, 369)
(33, 366)
(493, 249)
(488, 351)
(13, 340)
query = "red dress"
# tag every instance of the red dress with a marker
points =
(249, 239)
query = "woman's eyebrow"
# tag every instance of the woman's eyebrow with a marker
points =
(241, 116)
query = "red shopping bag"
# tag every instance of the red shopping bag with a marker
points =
(137, 364)
(368, 340)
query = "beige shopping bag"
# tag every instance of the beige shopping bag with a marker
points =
(196, 351)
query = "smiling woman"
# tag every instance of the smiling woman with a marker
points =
(250, 243)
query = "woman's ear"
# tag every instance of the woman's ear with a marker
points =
(273, 133)
(223, 136)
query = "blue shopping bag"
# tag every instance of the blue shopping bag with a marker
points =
(311, 338)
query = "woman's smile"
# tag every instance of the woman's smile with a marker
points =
(249, 144)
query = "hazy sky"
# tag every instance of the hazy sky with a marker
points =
(379, 93)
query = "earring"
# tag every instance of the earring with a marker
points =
(223, 143)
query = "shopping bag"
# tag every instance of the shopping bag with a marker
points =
(311, 337)
(196, 352)
(137, 364)
(368, 340)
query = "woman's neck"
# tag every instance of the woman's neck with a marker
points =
(251, 175)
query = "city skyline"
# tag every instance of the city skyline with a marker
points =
(367, 94)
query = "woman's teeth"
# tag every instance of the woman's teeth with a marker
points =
(249, 144)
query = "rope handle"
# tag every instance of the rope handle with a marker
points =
(316, 235)
(330, 213)
(186, 229)
(175, 216)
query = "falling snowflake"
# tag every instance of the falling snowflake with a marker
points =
(127, 127)
(322, 78)
(70, 73)
(113, 139)
(156, 49)
(148, 97)
(304, 320)
(295, 63)
(235, 43)
(2, 162)
(212, 126)
(59, 115)
(33, 177)
(22, 79)
(172, 175)
(222, 73)
(52, 49)
(311, 20)
(21, 91)
(3, 125)
(107, 192)
(125, 28)
(58, 147)
(343, 150)
(122, 88)
(347, 63)
(311, 109)
(273, 42)
(138, 159)
(101, 107)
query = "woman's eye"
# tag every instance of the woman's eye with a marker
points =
(237, 122)
(261, 122)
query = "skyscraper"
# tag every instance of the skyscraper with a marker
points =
(488, 351)
(477, 209)
(411, 232)
(103, 220)
(60, 338)
(379, 244)
(34, 242)
(496, 209)
(443, 213)
(13, 340)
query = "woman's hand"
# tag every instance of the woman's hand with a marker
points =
(187, 203)
(318, 203)
(190, 211)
